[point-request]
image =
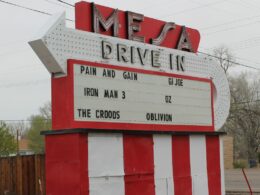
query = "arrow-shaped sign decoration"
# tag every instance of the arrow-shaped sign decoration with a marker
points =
(42, 47)
(56, 44)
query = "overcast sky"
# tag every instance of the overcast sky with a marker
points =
(25, 83)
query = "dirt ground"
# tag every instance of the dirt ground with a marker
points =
(234, 179)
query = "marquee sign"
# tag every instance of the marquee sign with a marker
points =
(120, 72)
(134, 82)
(141, 99)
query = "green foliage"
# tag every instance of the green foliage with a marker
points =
(239, 164)
(39, 123)
(7, 141)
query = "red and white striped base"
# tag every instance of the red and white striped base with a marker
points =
(119, 164)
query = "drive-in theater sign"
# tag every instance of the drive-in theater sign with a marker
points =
(135, 110)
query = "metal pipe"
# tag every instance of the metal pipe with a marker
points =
(244, 173)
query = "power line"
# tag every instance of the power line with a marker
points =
(22, 120)
(236, 63)
(156, 5)
(20, 6)
(243, 44)
(26, 83)
(247, 4)
(54, 3)
(214, 8)
(257, 44)
(16, 42)
(246, 42)
(31, 9)
(231, 28)
(195, 8)
(18, 71)
(248, 60)
(14, 51)
(66, 3)
(231, 22)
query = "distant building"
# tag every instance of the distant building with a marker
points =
(24, 147)
(228, 152)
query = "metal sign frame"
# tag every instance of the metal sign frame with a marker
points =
(134, 126)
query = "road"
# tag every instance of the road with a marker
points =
(234, 179)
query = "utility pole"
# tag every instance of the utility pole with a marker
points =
(17, 141)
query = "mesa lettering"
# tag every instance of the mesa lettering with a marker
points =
(136, 55)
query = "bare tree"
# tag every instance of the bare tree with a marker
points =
(243, 122)
(244, 119)
(224, 56)
(19, 126)
(45, 110)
